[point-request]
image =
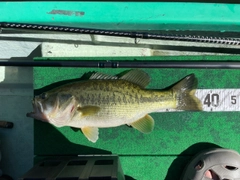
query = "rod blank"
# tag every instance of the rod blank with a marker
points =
(127, 64)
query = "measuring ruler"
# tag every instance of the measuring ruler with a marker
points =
(219, 99)
(216, 100)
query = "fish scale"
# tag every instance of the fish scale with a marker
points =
(129, 98)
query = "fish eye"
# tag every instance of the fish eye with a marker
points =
(43, 96)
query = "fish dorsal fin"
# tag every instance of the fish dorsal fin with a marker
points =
(98, 75)
(91, 133)
(88, 110)
(144, 125)
(138, 77)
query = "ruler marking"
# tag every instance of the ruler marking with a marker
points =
(217, 100)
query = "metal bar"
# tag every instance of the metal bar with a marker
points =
(127, 64)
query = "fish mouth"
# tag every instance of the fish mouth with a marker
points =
(37, 111)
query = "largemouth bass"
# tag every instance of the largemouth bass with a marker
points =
(108, 101)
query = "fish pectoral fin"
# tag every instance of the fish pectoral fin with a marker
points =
(88, 110)
(91, 133)
(144, 125)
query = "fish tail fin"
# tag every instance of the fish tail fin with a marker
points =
(185, 92)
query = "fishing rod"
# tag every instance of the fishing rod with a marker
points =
(126, 64)
(130, 34)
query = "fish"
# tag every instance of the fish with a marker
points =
(105, 101)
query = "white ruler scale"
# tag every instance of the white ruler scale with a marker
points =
(219, 99)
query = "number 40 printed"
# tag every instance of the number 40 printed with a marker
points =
(213, 100)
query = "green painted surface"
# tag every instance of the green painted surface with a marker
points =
(155, 167)
(173, 133)
(127, 15)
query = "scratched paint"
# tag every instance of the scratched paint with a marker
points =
(66, 12)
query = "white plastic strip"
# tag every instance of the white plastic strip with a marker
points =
(219, 99)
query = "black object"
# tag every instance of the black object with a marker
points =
(5, 124)
(130, 34)
(89, 167)
(5, 177)
(127, 64)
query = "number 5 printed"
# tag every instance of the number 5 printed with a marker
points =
(233, 99)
